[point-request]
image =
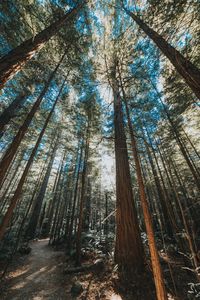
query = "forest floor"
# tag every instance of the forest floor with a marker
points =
(40, 275)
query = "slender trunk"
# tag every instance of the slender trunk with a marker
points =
(74, 199)
(20, 231)
(11, 151)
(193, 212)
(57, 209)
(8, 173)
(194, 256)
(153, 208)
(106, 215)
(18, 191)
(13, 62)
(161, 195)
(157, 271)
(106, 226)
(78, 205)
(52, 202)
(193, 163)
(69, 193)
(168, 197)
(30, 233)
(191, 143)
(9, 113)
(184, 67)
(12, 176)
(82, 197)
(64, 201)
(177, 137)
(87, 211)
(56, 199)
(6, 198)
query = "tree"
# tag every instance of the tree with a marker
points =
(11, 151)
(184, 67)
(11, 63)
(37, 205)
(11, 111)
(82, 196)
(157, 271)
(128, 247)
(18, 190)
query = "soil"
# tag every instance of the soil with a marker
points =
(40, 275)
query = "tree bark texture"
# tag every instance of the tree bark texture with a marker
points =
(13, 62)
(18, 191)
(129, 253)
(12, 149)
(82, 196)
(157, 271)
(30, 232)
(189, 72)
(9, 113)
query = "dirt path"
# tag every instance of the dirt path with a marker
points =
(39, 277)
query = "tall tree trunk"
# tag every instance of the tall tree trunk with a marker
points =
(18, 191)
(64, 202)
(161, 195)
(54, 194)
(58, 203)
(82, 196)
(106, 215)
(21, 227)
(178, 139)
(11, 151)
(87, 210)
(157, 271)
(129, 254)
(191, 143)
(75, 198)
(68, 194)
(10, 192)
(30, 232)
(168, 197)
(9, 113)
(184, 67)
(58, 185)
(13, 62)
(11, 175)
(182, 209)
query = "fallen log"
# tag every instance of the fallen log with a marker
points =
(98, 265)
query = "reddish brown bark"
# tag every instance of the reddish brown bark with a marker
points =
(18, 191)
(11, 151)
(157, 271)
(180, 143)
(129, 253)
(13, 62)
(191, 143)
(9, 113)
(161, 195)
(37, 205)
(77, 173)
(52, 203)
(184, 67)
(57, 198)
(82, 196)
